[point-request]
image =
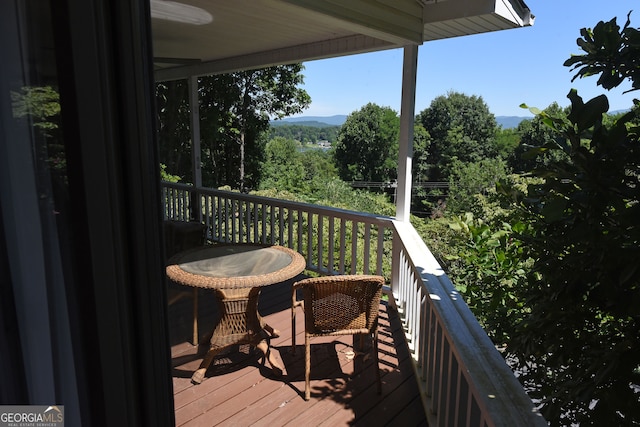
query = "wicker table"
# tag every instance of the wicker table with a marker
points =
(236, 273)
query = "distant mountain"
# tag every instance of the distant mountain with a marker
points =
(507, 122)
(310, 123)
(316, 121)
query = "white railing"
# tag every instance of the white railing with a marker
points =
(333, 241)
(463, 379)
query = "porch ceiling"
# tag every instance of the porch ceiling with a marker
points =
(199, 37)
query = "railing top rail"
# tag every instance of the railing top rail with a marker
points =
(470, 343)
(307, 207)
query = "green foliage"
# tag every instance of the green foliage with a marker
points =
(338, 194)
(461, 128)
(283, 168)
(166, 176)
(506, 141)
(469, 183)
(41, 106)
(442, 240)
(318, 166)
(174, 138)
(585, 240)
(609, 51)
(535, 136)
(367, 147)
(422, 199)
(421, 143)
(556, 276)
(235, 110)
(312, 177)
(584, 236)
(490, 270)
(287, 167)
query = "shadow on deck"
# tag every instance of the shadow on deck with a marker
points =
(239, 391)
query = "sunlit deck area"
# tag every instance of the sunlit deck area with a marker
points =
(238, 390)
(426, 328)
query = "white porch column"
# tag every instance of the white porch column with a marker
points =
(194, 108)
(405, 153)
(407, 117)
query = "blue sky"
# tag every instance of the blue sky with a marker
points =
(506, 68)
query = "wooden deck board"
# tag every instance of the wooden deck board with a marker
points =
(239, 391)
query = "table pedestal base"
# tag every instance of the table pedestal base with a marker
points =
(239, 323)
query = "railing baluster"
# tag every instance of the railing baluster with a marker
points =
(310, 240)
(354, 246)
(300, 230)
(454, 395)
(246, 221)
(320, 243)
(174, 203)
(233, 211)
(331, 249)
(367, 249)
(380, 250)
(290, 228)
(343, 237)
(263, 237)
(256, 220)
(281, 230)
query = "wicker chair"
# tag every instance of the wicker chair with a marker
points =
(337, 305)
(179, 236)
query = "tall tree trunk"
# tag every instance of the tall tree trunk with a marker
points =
(242, 133)
(244, 112)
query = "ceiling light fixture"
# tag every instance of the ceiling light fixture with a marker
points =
(178, 12)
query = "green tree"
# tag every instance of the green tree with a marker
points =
(283, 168)
(461, 127)
(367, 147)
(235, 110)
(535, 134)
(41, 106)
(174, 137)
(422, 199)
(507, 141)
(469, 182)
(576, 343)
(165, 176)
(609, 51)
(319, 167)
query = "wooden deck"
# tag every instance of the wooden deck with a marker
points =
(239, 391)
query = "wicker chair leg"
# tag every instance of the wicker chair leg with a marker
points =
(293, 330)
(264, 347)
(196, 339)
(376, 361)
(198, 376)
(307, 368)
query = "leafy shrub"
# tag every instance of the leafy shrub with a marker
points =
(490, 270)
(468, 182)
(583, 296)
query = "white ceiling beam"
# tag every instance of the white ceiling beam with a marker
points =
(320, 50)
(398, 22)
